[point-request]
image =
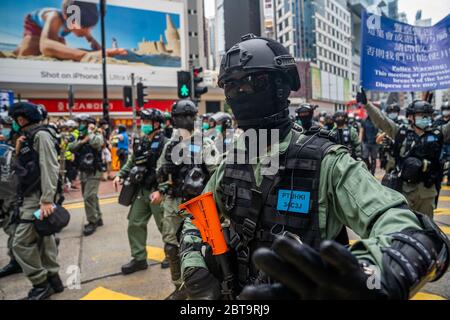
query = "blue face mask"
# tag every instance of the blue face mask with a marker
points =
(393, 115)
(15, 127)
(423, 122)
(146, 128)
(6, 132)
(205, 126)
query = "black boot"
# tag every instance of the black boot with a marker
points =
(133, 266)
(165, 263)
(100, 223)
(89, 229)
(11, 268)
(56, 283)
(178, 294)
(41, 291)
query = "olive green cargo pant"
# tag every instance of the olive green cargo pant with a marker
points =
(420, 198)
(36, 255)
(140, 213)
(89, 188)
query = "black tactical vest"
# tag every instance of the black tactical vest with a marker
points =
(287, 201)
(192, 168)
(146, 154)
(27, 163)
(426, 147)
(343, 137)
(89, 159)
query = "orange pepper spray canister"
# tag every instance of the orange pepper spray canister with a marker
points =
(206, 219)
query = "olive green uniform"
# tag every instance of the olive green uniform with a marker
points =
(139, 215)
(348, 196)
(419, 197)
(5, 222)
(171, 222)
(90, 182)
(38, 255)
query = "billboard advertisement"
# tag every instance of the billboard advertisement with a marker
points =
(58, 41)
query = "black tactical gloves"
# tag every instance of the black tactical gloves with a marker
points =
(302, 272)
(202, 285)
(361, 97)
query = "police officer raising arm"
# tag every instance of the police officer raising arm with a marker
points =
(287, 227)
(88, 149)
(417, 150)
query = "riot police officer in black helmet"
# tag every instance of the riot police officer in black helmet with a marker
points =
(304, 115)
(183, 169)
(225, 133)
(138, 177)
(277, 245)
(417, 150)
(88, 156)
(393, 111)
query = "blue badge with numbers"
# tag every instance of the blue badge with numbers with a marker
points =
(293, 201)
(194, 148)
(155, 145)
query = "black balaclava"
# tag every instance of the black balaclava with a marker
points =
(267, 109)
(306, 121)
(184, 122)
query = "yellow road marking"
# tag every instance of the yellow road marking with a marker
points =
(79, 205)
(101, 293)
(444, 198)
(352, 242)
(427, 296)
(445, 229)
(446, 188)
(442, 211)
(155, 253)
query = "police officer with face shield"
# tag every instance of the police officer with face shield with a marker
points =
(304, 116)
(183, 169)
(417, 151)
(286, 232)
(88, 152)
(140, 174)
(37, 169)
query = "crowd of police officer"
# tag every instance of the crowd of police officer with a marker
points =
(278, 248)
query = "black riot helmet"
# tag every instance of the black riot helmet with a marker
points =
(445, 106)
(85, 118)
(258, 75)
(340, 118)
(184, 113)
(152, 114)
(393, 108)
(305, 115)
(419, 106)
(222, 118)
(30, 111)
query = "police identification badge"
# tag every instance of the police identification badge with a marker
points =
(155, 145)
(293, 201)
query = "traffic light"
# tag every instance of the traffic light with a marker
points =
(127, 96)
(184, 84)
(70, 97)
(141, 94)
(198, 90)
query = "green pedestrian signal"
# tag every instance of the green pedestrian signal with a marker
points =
(184, 80)
(184, 91)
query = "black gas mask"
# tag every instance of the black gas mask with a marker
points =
(259, 101)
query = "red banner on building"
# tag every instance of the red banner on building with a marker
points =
(95, 105)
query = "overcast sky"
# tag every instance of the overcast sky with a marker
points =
(434, 9)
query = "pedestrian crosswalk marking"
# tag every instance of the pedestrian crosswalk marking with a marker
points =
(444, 198)
(101, 293)
(427, 296)
(442, 211)
(155, 253)
(446, 188)
(79, 205)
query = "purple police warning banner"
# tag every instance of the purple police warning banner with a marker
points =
(396, 56)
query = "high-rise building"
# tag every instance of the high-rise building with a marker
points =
(268, 18)
(233, 20)
(319, 31)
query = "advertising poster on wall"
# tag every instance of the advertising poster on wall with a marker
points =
(42, 42)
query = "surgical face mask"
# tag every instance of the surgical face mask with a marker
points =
(446, 113)
(205, 125)
(82, 127)
(147, 128)
(218, 128)
(5, 132)
(422, 122)
(393, 115)
(15, 126)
